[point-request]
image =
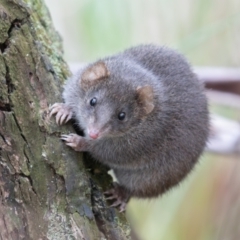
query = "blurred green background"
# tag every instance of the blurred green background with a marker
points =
(206, 205)
(207, 31)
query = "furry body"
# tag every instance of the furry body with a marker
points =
(166, 118)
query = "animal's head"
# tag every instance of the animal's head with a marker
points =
(110, 106)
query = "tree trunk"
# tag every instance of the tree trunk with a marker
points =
(46, 190)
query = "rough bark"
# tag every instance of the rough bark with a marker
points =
(46, 190)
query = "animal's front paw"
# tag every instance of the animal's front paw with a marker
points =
(63, 112)
(74, 141)
(119, 195)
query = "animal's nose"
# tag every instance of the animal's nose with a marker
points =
(93, 135)
(93, 132)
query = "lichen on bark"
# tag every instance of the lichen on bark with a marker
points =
(46, 191)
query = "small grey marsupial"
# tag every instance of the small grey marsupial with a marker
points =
(144, 114)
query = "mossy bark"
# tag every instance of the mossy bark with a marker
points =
(46, 190)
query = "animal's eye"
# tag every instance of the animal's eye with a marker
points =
(121, 116)
(93, 101)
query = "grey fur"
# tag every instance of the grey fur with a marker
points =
(148, 153)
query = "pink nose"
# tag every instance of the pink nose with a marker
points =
(93, 135)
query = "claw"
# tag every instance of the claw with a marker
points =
(62, 118)
(53, 111)
(119, 195)
(63, 112)
(67, 136)
(58, 116)
(64, 139)
(122, 207)
(110, 191)
(73, 145)
(74, 141)
(115, 204)
(69, 117)
(72, 134)
(53, 106)
(64, 136)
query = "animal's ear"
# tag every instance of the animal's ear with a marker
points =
(94, 74)
(145, 98)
